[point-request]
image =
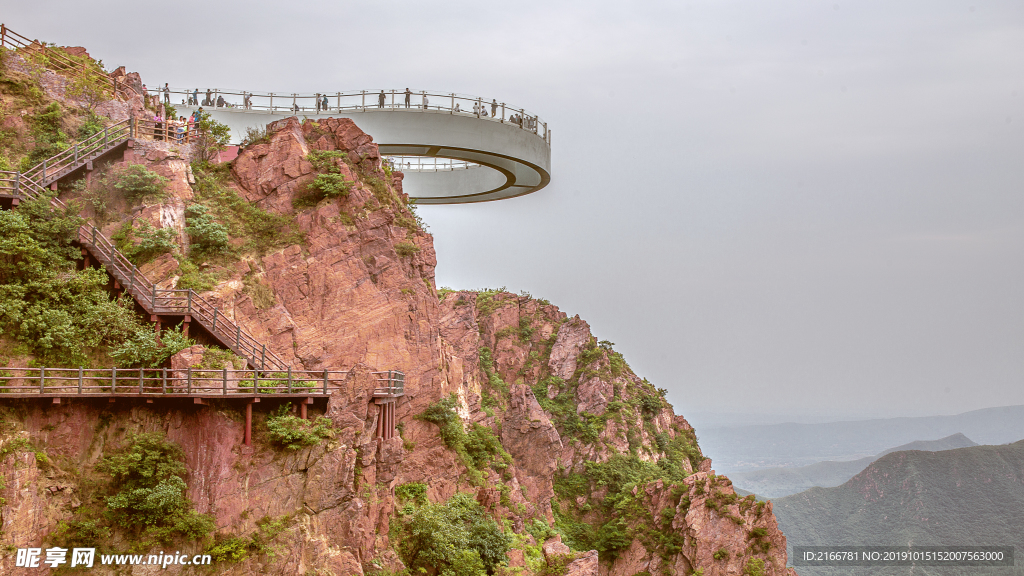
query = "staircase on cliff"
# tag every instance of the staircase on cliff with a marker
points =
(164, 306)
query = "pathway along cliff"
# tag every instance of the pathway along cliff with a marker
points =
(525, 445)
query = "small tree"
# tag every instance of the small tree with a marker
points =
(87, 88)
(211, 137)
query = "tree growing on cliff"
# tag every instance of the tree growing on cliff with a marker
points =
(455, 539)
(211, 137)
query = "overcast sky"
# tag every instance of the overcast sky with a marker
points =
(807, 208)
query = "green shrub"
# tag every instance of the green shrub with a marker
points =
(206, 235)
(540, 530)
(414, 492)
(754, 567)
(454, 538)
(137, 182)
(406, 248)
(255, 135)
(152, 494)
(328, 183)
(293, 433)
(59, 312)
(142, 349)
(721, 554)
(190, 277)
(144, 243)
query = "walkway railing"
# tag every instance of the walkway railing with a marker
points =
(154, 300)
(86, 150)
(56, 60)
(165, 381)
(427, 164)
(164, 131)
(191, 381)
(390, 383)
(362, 101)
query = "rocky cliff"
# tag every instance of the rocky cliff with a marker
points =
(582, 462)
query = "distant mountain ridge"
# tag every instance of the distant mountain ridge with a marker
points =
(744, 448)
(966, 496)
(778, 482)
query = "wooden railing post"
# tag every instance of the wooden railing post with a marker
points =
(113, 380)
(164, 380)
(154, 298)
(189, 389)
(76, 152)
(79, 379)
(225, 382)
(17, 183)
(104, 136)
(131, 281)
(141, 372)
(214, 329)
(289, 379)
(93, 235)
(189, 301)
(263, 358)
(42, 379)
(325, 380)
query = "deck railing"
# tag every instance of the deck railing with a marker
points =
(362, 101)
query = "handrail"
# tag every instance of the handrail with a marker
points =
(190, 381)
(363, 101)
(393, 383)
(427, 164)
(60, 63)
(81, 152)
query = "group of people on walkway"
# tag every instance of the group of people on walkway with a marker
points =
(179, 130)
(193, 99)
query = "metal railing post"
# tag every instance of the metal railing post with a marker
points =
(113, 380)
(17, 183)
(142, 371)
(154, 298)
(325, 380)
(104, 136)
(189, 302)
(79, 379)
(164, 380)
(76, 152)
(225, 382)
(42, 177)
(289, 379)
(263, 358)
(214, 320)
(42, 379)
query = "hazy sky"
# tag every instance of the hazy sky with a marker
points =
(797, 207)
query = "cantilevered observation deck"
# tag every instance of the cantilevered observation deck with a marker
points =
(452, 148)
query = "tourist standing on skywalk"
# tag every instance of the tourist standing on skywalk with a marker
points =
(408, 97)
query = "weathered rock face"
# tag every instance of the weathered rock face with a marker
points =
(358, 293)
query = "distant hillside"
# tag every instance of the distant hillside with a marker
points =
(744, 448)
(778, 482)
(967, 496)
